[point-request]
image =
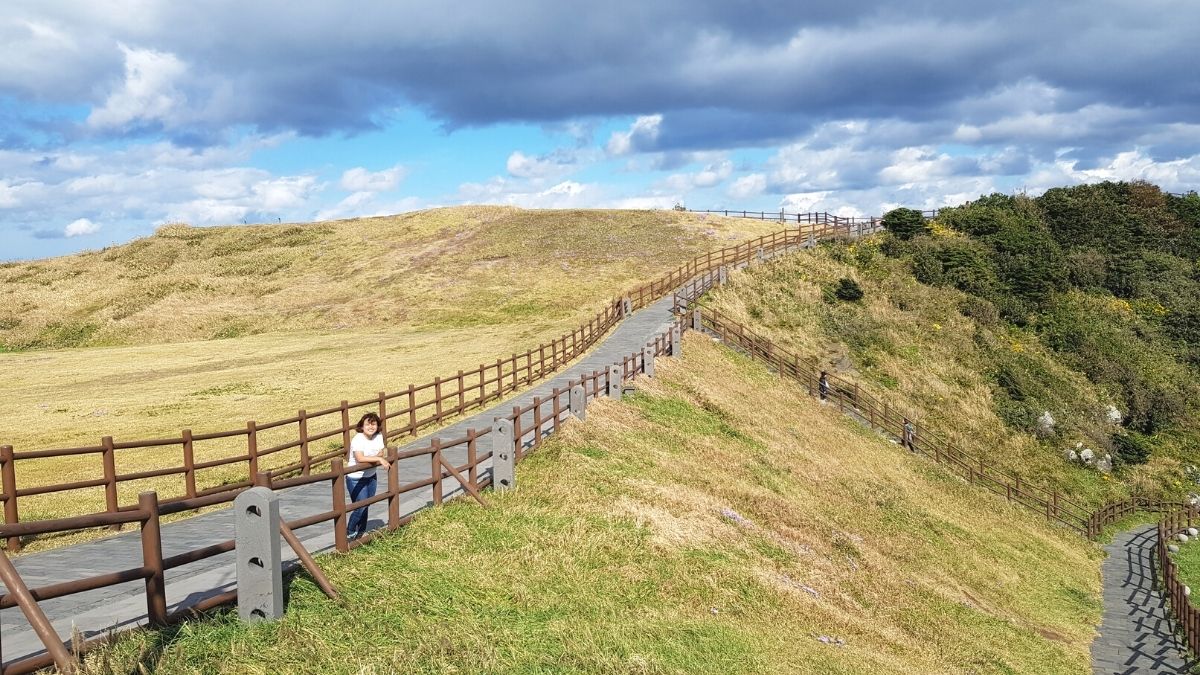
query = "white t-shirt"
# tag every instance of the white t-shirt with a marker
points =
(369, 447)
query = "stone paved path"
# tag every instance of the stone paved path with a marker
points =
(1135, 634)
(124, 605)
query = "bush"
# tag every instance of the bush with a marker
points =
(953, 261)
(1132, 448)
(979, 309)
(848, 290)
(905, 223)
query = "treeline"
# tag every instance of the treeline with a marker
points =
(1107, 275)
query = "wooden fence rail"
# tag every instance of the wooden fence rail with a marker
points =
(240, 453)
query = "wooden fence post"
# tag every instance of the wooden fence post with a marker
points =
(436, 472)
(8, 472)
(393, 488)
(156, 589)
(189, 464)
(345, 424)
(340, 542)
(305, 460)
(252, 447)
(412, 411)
(110, 479)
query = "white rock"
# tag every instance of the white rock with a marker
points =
(1087, 456)
(1072, 456)
(1193, 499)
(1187, 591)
(1192, 531)
(1113, 414)
(1172, 548)
(1104, 465)
(1183, 538)
(1045, 424)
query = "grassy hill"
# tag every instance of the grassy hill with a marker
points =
(205, 328)
(936, 355)
(719, 521)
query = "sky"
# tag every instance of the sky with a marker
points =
(119, 116)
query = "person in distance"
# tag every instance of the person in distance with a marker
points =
(366, 449)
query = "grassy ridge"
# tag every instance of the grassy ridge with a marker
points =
(719, 521)
(453, 267)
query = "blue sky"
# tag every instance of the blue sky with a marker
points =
(117, 117)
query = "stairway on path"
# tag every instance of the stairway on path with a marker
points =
(1136, 634)
(124, 605)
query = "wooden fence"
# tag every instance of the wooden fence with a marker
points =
(243, 451)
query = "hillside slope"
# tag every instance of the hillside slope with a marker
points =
(451, 267)
(718, 521)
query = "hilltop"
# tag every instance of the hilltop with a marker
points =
(446, 268)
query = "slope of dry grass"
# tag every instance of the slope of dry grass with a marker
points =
(206, 328)
(719, 521)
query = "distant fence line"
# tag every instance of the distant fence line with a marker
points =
(817, 218)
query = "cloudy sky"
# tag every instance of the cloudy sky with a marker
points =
(118, 116)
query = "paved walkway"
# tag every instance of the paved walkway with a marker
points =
(1135, 634)
(124, 605)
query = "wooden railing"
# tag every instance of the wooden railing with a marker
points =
(1187, 617)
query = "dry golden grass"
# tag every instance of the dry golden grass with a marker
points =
(312, 314)
(719, 521)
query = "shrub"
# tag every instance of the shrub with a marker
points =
(1132, 447)
(905, 223)
(848, 290)
(979, 309)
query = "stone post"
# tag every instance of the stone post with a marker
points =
(626, 308)
(614, 382)
(648, 361)
(579, 402)
(503, 460)
(676, 341)
(722, 275)
(696, 323)
(259, 568)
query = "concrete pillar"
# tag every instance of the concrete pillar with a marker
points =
(676, 341)
(722, 275)
(626, 307)
(259, 568)
(696, 324)
(762, 257)
(648, 361)
(579, 402)
(504, 475)
(614, 382)
(811, 242)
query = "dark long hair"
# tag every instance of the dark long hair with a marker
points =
(364, 418)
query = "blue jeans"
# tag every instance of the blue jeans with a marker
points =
(360, 488)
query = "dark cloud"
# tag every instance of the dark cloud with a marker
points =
(722, 75)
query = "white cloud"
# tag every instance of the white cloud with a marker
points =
(147, 94)
(750, 185)
(360, 179)
(642, 133)
(711, 175)
(520, 165)
(80, 228)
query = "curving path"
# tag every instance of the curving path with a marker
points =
(124, 605)
(1136, 632)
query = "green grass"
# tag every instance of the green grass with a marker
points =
(618, 554)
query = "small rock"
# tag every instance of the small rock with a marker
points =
(1193, 499)
(1183, 538)
(1113, 414)
(1187, 591)
(1072, 456)
(1192, 531)
(735, 517)
(1172, 548)
(1045, 424)
(1088, 455)
(1104, 465)
(713, 610)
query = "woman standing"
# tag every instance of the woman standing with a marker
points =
(366, 448)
